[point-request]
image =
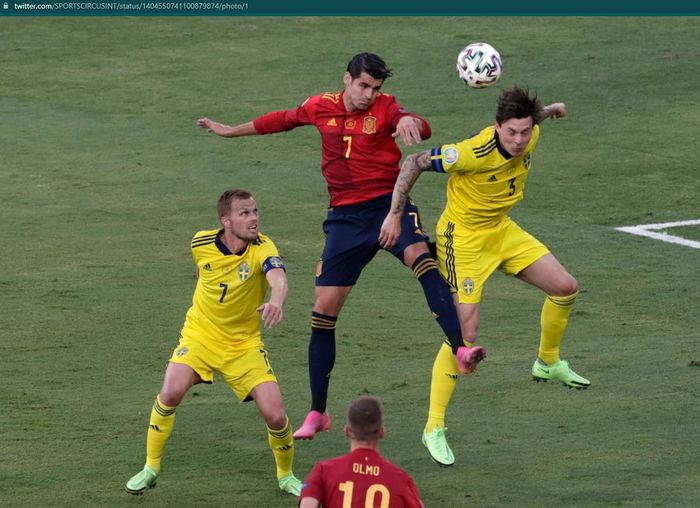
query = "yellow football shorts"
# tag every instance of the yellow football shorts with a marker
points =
(467, 257)
(242, 368)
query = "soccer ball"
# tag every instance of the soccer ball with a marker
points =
(479, 65)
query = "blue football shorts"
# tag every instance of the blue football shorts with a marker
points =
(352, 239)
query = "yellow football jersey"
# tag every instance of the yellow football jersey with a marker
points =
(230, 287)
(485, 181)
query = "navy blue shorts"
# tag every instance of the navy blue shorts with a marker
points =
(352, 239)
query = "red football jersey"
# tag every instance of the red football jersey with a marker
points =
(360, 159)
(360, 479)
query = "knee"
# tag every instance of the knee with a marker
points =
(329, 303)
(276, 420)
(413, 252)
(571, 286)
(325, 308)
(567, 286)
(171, 397)
(469, 333)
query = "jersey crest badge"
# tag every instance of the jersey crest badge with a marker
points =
(181, 352)
(369, 125)
(468, 286)
(450, 155)
(527, 160)
(243, 271)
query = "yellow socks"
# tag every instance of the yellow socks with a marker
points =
(162, 423)
(282, 446)
(442, 385)
(160, 427)
(554, 319)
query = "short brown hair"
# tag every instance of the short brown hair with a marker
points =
(371, 64)
(223, 207)
(365, 418)
(516, 103)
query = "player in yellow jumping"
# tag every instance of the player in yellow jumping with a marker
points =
(235, 266)
(475, 237)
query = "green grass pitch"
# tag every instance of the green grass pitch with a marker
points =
(105, 177)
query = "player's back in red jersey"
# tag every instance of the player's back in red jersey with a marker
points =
(359, 479)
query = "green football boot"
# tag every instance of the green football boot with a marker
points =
(438, 448)
(290, 484)
(144, 479)
(559, 371)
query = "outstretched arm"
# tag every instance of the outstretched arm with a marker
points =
(553, 111)
(271, 311)
(269, 123)
(411, 169)
(227, 131)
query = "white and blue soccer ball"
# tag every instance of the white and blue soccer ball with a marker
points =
(479, 65)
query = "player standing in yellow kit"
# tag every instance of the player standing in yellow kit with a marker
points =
(475, 237)
(235, 266)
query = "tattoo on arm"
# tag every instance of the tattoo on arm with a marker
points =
(411, 169)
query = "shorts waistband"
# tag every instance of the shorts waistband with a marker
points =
(378, 202)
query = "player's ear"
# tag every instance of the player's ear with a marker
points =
(381, 432)
(347, 78)
(225, 222)
(346, 431)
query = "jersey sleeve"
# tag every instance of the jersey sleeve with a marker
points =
(413, 499)
(453, 157)
(286, 119)
(313, 486)
(535, 137)
(193, 251)
(200, 239)
(396, 112)
(273, 262)
(268, 255)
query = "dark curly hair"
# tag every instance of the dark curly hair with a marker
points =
(516, 102)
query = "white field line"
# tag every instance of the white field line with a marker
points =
(650, 231)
